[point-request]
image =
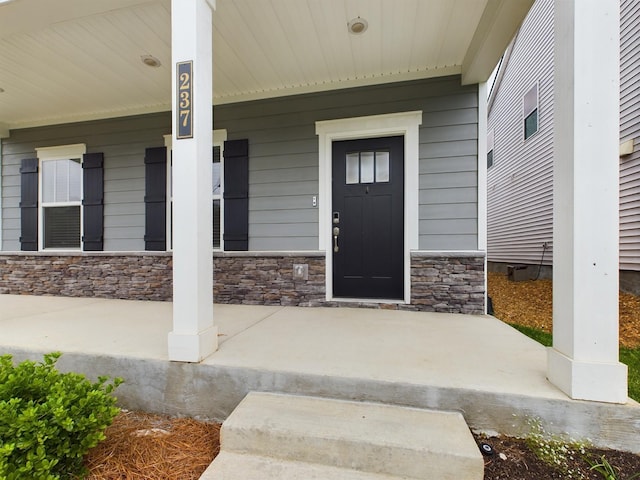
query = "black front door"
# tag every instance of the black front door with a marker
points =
(368, 218)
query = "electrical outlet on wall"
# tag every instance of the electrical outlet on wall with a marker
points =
(300, 271)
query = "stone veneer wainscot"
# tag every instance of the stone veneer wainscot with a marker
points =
(450, 282)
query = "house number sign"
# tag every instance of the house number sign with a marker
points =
(184, 99)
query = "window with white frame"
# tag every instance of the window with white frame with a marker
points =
(217, 168)
(60, 213)
(530, 111)
(490, 149)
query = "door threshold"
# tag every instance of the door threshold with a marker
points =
(368, 300)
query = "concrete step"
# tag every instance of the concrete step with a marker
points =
(236, 466)
(365, 437)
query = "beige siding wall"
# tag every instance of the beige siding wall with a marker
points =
(520, 182)
(630, 130)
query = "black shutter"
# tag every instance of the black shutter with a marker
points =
(236, 195)
(93, 201)
(29, 205)
(155, 200)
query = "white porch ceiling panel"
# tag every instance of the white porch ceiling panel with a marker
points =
(68, 60)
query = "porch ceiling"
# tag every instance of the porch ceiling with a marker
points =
(81, 59)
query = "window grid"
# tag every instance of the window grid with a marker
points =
(60, 197)
(367, 167)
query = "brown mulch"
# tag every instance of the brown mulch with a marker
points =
(529, 303)
(142, 446)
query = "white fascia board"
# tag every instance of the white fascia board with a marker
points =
(498, 25)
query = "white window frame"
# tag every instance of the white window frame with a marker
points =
(219, 137)
(404, 123)
(490, 148)
(61, 152)
(526, 113)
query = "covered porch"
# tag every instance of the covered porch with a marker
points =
(71, 61)
(474, 364)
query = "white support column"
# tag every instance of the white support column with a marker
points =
(194, 335)
(583, 361)
(483, 115)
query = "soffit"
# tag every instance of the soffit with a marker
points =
(81, 59)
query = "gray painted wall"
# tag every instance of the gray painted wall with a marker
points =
(283, 166)
(122, 141)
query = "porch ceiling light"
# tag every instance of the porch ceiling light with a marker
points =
(357, 26)
(150, 61)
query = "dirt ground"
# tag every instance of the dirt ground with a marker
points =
(140, 446)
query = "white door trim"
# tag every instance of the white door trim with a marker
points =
(403, 123)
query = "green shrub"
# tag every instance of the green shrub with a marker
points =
(50, 420)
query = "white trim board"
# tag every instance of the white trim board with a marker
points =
(59, 152)
(404, 123)
(1, 163)
(482, 179)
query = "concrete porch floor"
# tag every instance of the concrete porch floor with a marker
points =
(474, 364)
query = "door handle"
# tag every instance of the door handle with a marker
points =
(335, 244)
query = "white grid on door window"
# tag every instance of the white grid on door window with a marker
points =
(367, 167)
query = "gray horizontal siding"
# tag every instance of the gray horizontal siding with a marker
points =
(630, 130)
(520, 183)
(283, 151)
(123, 142)
(448, 206)
(283, 166)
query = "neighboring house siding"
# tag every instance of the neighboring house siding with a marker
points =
(122, 141)
(283, 163)
(520, 183)
(630, 130)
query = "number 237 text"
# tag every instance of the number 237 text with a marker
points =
(184, 99)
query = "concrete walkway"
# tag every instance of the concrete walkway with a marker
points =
(474, 364)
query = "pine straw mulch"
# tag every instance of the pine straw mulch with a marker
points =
(142, 446)
(529, 303)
